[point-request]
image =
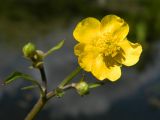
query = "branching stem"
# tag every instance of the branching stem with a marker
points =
(48, 95)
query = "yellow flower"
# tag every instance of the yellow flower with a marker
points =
(103, 46)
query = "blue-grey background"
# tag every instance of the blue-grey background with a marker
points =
(136, 96)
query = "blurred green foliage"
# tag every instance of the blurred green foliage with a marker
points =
(26, 18)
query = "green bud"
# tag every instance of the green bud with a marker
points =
(29, 50)
(82, 88)
(39, 55)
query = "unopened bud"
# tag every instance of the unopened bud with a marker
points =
(29, 50)
(82, 88)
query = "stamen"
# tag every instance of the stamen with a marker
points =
(107, 45)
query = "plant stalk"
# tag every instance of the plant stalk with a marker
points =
(41, 102)
(36, 109)
(44, 78)
(70, 77)
(48, 95)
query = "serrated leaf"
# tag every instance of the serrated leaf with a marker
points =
(56, 47)
(29, 87)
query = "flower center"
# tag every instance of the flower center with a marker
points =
(107, 45)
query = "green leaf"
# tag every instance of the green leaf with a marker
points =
(96, 84)
(16, 75)
(29, 87)
(57, 47)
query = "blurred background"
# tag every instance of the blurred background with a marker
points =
(136, 96)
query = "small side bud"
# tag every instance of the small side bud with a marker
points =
(29, 50)
(82, 88)
(39, 54)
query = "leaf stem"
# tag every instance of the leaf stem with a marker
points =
(58, 46)
(70, 77)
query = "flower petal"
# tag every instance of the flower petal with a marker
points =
(115, 26)
(81, 47)
(86, 60)
(87, 30)
(101, 71)
(131, 52)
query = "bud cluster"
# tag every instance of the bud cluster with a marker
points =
(36, 56)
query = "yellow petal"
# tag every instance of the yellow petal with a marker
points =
(81, 47)
(87, 30)
(115, 26)
(101, 71)
(86, 60)
(131, 52)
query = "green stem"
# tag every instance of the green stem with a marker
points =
(70, 77)
(36, 109)
(65, 88)
(46, 96)
(44, 78)
(42, 101)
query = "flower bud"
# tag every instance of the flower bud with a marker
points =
(29, 50)
(40, 54)
(82, 88)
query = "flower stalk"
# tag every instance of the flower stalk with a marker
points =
(48, 95)
(43, 100)
(70, 77)
(36, 109)
(44, 78)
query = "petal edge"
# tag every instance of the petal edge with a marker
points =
(86, 30)
(131, 52)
